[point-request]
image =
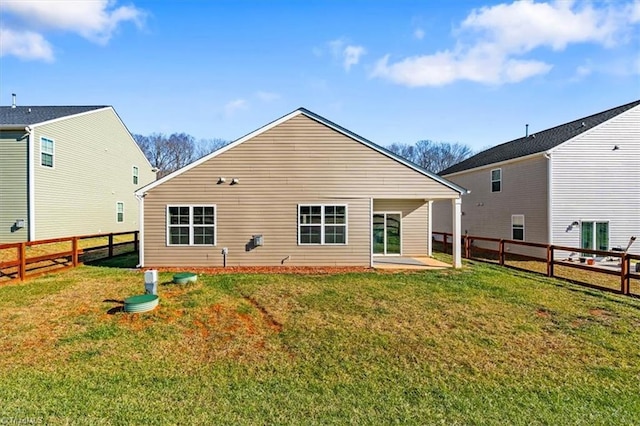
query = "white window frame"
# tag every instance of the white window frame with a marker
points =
(594, 240)
(323, 225)
(136, 173)
(52, 153)
(118, 204)
(499, 180)
(191, 225)
(513, 226)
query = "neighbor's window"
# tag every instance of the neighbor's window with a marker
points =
(594, 235)
(320, 224)
(496, 180)
(46, 152)
(135, 175)
(119, 212)
(191, 225)
(517, 227)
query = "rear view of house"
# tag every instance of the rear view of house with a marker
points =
(299, 191)
(576, 184)
(67, 170)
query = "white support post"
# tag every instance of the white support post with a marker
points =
(457, 219)
(430, 229)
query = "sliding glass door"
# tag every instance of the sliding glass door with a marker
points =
(387, 233)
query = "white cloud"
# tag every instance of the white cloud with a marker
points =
(234, 106)
(25, 45)
(95, 20)
(348, 54)
(267, 96)
(493, 42)
(418, 33)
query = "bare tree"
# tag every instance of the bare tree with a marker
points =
(207, 146)
(167, 153)
(432, 156)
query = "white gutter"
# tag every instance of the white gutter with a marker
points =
(31, 185)
(141, 230)
(547, 155)
(371, 232)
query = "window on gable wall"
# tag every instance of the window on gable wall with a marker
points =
(46, 152)
(119, 212)
(496, 180)
(517, 227)
(135, 175)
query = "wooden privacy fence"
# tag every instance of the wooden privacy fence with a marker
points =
(498, 250)
(19, 261)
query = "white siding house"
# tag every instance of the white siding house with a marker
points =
(577, 185)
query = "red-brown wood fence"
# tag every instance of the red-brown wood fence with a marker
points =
(21, 266)
(501, 251)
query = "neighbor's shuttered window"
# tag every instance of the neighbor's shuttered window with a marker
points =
(191, 225)
(46, 152)
(322, 224)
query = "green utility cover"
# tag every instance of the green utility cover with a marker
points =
(142, 298)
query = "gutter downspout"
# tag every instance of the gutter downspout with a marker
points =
(31, 185)
(547, 155)
(141, 233)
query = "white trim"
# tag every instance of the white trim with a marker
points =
(523, 226)
(309, 114)
(385, 213)
(32, 183)
(141, 233)
(117, 204)
(549, 198)
(52, 153)
(457, 230)
(191, 225)
(323, 225)
(430, 228)
(371, 232)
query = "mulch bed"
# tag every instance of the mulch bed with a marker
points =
(300, 270)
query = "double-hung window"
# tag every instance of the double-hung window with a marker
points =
(191, 225)
(46, 152)
(322, 224)
(517, 227)
(119, 212)
(496, 180)
(135, 175)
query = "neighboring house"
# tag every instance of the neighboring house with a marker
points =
(298, 191)
(67, 170)
(576, 185)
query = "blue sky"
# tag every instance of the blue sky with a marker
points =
(466, 71)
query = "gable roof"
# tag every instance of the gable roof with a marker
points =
(21, 116)
(321, 120)
(537, 142)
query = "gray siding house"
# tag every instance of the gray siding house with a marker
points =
(67, 170)
(577, 185)
(299, 191)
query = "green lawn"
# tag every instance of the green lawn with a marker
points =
(481, 345)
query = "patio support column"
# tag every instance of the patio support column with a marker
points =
(430, 229)
(457, 218)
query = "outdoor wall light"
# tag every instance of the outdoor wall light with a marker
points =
(575, 223)
(235, 181)
(221, 180)
(19, 223)
(615, 148)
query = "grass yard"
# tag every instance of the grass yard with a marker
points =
(481, 345)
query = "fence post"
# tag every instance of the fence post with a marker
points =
(136, 241)
(22, 257)
(74, 249)
(467, 254)
(501, 252)
(550, 261)
(111, 245)
(624, 274)
(444, 242)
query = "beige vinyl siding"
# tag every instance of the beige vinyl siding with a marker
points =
(488, 214)
(414, 223)
(591, 181)
(13, 185)
(297, 162)
(93, 163)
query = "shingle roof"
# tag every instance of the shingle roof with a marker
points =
(28, 115)
(537, 142)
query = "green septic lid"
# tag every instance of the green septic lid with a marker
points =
(184, 275)
(142, 298)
